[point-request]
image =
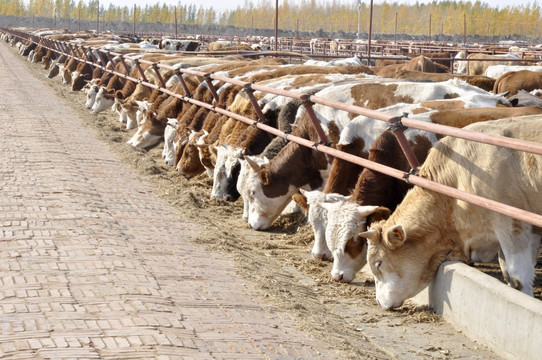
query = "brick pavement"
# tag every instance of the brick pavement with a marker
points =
(94, 265)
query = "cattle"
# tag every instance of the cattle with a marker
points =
(475, 67)
(54, 69)
(441, 58)
(386, 62)
(419, 63)
(169, 135)
(375, 188)
(66, 70)
(495, 71)
(525, 98)
(91, 95)
(514, 82)
(179, 45)
(272, 189)
(104, 99)
(81, 75)
(309, 202)
(227, 166)
(164, 106)
(428, 228)
(333, 47)
(483, 82)
(219, 45)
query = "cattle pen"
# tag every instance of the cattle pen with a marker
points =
(397, 123)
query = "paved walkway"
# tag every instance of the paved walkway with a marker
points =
(94, 265)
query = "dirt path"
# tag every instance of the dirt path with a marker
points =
(278, 261)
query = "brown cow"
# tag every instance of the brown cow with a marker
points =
(514, 81)
(419, 63)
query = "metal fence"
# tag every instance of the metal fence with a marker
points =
(82, 54)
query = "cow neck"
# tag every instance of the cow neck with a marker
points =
(293, 166)
(427, 217)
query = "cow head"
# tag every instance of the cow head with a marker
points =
(65, 75)
(345, 220)
(226, 172)
(103, 100)
(207, 154)
(309, 201)
(127, 110)
(402, 265)
(149, 133)
(189, 164)
(91, 96)
(262, 209)
(169, 135)
(246, 175)
(143, 108)
(79, 80)
(270, 186)
(460, 67)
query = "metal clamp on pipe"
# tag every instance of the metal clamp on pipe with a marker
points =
(306, 100)
(285, 135)
(406, 175)
(397, 124)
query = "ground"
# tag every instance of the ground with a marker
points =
(279, 263)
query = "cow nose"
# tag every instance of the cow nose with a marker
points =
(227, 197)
(338, 277)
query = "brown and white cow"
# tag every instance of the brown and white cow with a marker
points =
(428, 228)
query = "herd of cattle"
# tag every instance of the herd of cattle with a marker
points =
(358, 215)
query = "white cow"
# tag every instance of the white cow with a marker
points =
(495, 71)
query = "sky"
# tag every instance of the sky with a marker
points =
(232, 4)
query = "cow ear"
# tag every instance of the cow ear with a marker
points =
(255, 167)
(265, 177)
(372, 235)
(301, 200)
(327, 206)
(395, 236)
(364, 211)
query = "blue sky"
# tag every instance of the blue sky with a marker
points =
(232, 4)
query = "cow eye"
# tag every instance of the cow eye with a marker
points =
(377, 265)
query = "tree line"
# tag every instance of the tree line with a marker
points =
(444, 17)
